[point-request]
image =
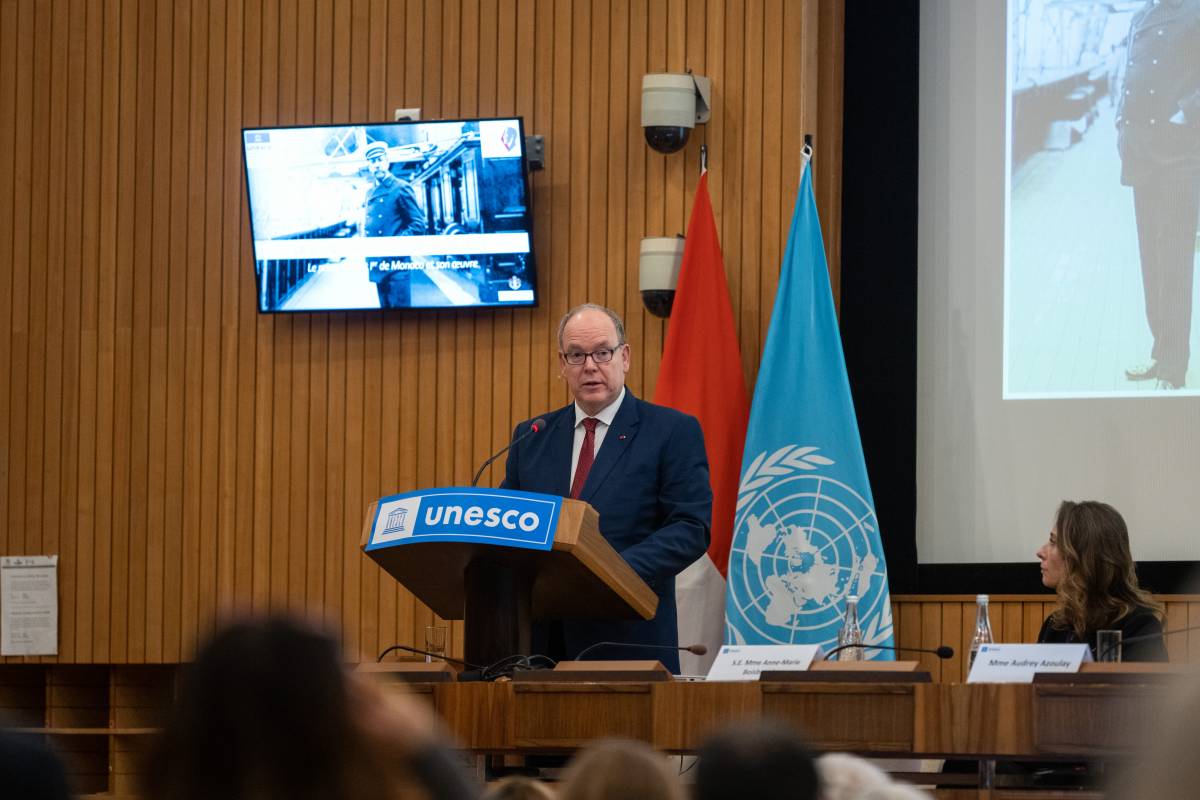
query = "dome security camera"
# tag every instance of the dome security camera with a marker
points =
(672, 104)
(659, 262)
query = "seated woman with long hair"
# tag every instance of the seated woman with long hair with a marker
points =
(1087, 561)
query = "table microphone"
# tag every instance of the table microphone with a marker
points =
(694, 649)
(534, 427)
(943, 651)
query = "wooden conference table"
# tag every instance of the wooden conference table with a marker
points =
(1095, 715)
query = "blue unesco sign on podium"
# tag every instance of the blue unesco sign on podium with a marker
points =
(464, 514)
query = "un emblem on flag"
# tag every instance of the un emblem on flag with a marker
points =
(802, 541)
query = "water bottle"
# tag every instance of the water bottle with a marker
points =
(983, 627)
(850, 632)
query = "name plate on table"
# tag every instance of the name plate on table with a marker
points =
(737, 662)
(1017, 663)
(465, 514)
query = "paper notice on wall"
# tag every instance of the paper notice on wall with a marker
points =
(29, 605)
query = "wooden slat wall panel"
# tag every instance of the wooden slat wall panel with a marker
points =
(190, 459)
(929, 621)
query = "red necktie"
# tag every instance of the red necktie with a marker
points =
(587, 454)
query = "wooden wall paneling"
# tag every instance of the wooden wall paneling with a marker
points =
(955, 622)
(189, 457)
(1031, 621)
(189, 313)
(539, 95)
(338, 530)
(259, 102)
(160, 276)
(674, 177)
(763, 276)
(728, 164)
(1177, 619)
(439, 463)
(47, 519)
(355, 572)
(69, 313)
(34, 327)
(377, 614)
(232, 541)
(524, 325)
(299, 45)
(208, 207)
(91, 573)
(388, 448)
(121, 378)
(8, 240)
(372, 387)
(480, 420)
(275, 110)
(108, 572)
(831, 28)
(46, 497)
(179, 448)
(773, 140)
(1012, 622)
(141, 234)
(932, 635)
(617, 270)
(353, 569)
(634, 207)
(1193, 639)
(595, 18)
(658, 220)
(580, 139)
(695, 53)
(35, 388)
(443, 84)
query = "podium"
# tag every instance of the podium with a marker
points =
(500, 560)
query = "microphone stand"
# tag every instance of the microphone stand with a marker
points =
(943, 651)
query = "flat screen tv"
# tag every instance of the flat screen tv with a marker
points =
(390, 215)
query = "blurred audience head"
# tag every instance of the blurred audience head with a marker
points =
(267, 711)
(519, 787)
(30, 770)
(847, 777)
(620, 770)
(759, 760)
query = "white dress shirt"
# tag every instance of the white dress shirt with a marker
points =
(606, 416)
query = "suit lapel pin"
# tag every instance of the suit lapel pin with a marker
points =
(622, 437)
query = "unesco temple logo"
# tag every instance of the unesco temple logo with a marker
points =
(800, 545)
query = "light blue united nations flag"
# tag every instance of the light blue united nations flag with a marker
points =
(805, 534)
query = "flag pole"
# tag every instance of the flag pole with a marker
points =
(703, 159)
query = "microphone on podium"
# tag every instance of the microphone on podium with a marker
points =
(942, 651)
(534, 427)
(694, 649)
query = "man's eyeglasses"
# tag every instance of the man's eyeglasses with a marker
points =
(602, 356)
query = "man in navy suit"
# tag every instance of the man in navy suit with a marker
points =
(641, 466)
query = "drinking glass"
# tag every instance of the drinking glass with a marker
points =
(1108, 645)
(435, 642)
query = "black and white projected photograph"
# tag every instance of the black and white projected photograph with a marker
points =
(394, 215)
(1103, 199)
